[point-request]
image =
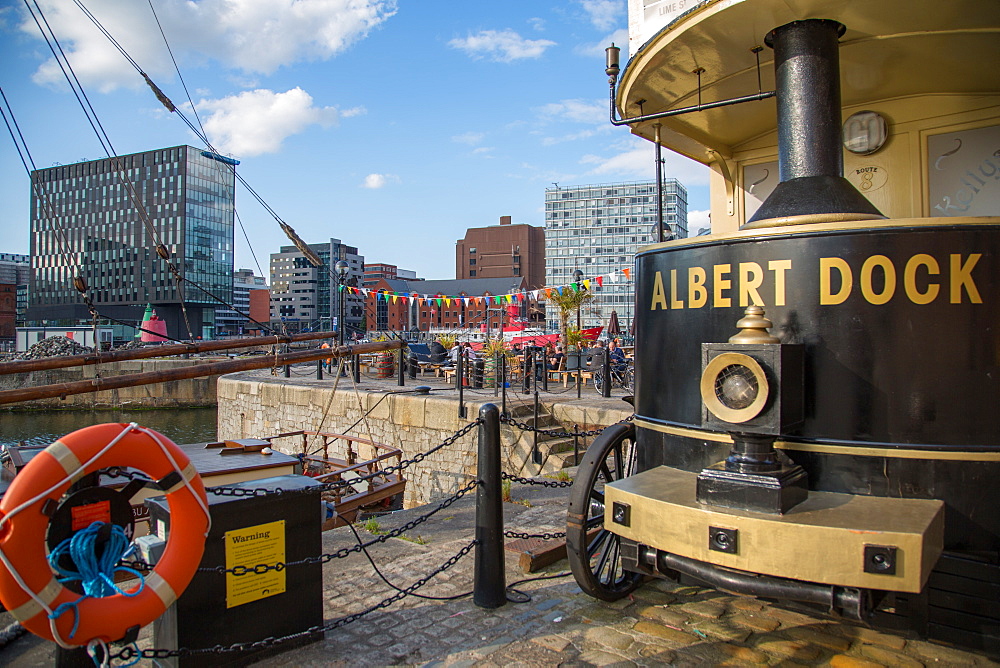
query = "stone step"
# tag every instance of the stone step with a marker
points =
(559, 444)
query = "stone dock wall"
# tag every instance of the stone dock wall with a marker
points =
(250, 407)
(175, 394)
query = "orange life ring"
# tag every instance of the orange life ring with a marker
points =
(28, 588)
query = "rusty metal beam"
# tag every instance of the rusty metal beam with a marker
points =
(196, 371)
(61, 362)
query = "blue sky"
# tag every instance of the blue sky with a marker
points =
(391, 125)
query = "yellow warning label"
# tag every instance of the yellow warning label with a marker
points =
(250, 547)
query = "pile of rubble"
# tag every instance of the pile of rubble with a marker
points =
(53, 346)
(131, 345)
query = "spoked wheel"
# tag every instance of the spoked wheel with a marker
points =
(629, 382)
(594, 552)
(599, 381)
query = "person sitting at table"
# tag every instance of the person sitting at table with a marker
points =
(616, 355)
(555, 359)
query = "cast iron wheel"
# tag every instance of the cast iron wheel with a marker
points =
(594, 552)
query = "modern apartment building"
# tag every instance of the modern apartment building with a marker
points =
(305, 297)
(107, 219)
(502, 251)
(251, 298)
(598, 229)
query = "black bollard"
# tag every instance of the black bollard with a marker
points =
(412, 366)
(356, 367)
(528, 357)
(579, 370)
(401, 370)
(288, 371)
(606, 372)
(536, 454)
(460, 381)
(489, 590)
(319, 369)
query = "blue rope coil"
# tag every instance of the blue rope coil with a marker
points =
(96, 572)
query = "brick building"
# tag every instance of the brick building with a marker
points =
(399, 314)
(502, 250)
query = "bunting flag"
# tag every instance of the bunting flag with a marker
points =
(518, 297)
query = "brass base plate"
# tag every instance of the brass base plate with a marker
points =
(820, 540)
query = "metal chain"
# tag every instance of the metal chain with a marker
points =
(529, 481)
(260, 569)
(555, 432)
(121, 472)
(130, 653)
(543, 536)
(337, 485)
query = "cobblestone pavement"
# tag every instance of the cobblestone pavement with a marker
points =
(660, 624)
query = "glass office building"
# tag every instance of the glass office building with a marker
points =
(104, 219)
(598, 229)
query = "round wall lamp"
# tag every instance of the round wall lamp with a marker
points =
(865, 132)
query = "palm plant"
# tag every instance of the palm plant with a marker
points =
(568, 302)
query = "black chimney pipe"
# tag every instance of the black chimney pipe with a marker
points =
(810, 153)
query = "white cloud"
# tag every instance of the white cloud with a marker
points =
(634, 158)
(376, 181)
(353, 111)
(577, 111)
(537, 23)
(592, 113)
(470, 138)
(698, 220)
(596, 49)
(247, 35)
(483, 151)
(502, 46)
(258, 121)
(603, 13)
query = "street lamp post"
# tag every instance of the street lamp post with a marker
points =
(341, 268)
(577, 278)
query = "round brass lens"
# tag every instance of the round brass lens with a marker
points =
(734, 387)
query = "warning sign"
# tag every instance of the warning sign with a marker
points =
(250, 547)
(84, 516)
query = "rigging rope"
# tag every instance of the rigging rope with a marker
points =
(94, 571)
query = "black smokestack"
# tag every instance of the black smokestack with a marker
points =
(810, 156)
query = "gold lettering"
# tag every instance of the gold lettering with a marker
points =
(697, 294)
(779, 267)
(961, 276)
(719, 284)
(674, 301)
(910, 279)
(659, 297)
(888, 289)
(826, 266)
(751, 276)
